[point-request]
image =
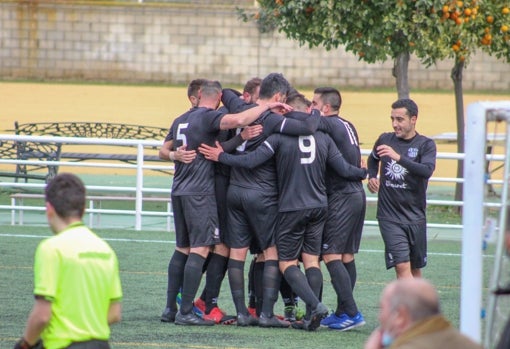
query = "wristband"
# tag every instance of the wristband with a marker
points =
(171, 155)
(23, 344)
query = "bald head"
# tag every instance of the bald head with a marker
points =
(418, 296)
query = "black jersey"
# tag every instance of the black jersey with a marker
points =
(263, 177)
(403, 184)
(301, 164)
(197, 126)
(346, 138)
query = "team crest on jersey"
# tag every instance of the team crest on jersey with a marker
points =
(412, 152)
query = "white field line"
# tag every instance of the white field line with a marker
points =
(173, 242)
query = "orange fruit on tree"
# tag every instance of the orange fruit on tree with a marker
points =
(490, 19)
(504, 28)
(459, 21)
(455, 47)
(505, 10)
(446, 8)
(467, 12)
(460, 4)
(279, 2)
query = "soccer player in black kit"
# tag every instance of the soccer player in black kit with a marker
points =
(301, 165)
(346, 213)
(253, 203)
(405, 161)
(193, 199)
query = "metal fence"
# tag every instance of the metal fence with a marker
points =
(140, 191)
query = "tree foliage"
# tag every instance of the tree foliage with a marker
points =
(377, 30)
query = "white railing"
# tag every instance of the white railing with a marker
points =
(140, 171)
(138, 168)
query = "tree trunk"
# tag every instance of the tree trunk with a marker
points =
(456, 76)
(400, 72)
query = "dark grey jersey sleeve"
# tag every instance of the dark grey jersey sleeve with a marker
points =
(373, 160)
(337, 162)
(231, 144)
(300, 126)
(427, 165)
(250, 160)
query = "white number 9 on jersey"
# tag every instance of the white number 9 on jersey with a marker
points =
(307, 147)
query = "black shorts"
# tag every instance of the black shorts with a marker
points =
(91, 344)
(220, 188)
(404, 243)
(344, 223)
(252, 214)
(300, 231)
(195, 220)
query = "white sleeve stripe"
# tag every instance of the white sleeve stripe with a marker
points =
(269, 146)
(283, 124)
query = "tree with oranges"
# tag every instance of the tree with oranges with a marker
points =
(378, 30)
(458, 29)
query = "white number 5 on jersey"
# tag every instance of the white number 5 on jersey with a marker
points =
(181, 136)
(307, 147)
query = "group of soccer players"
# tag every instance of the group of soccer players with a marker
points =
(275, 174)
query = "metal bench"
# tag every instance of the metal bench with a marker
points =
(54, 152)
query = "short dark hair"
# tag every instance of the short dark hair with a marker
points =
(272, 84)
(66, 193)
(251, 85)
(298, 101)
(194, 86)
(210, 88)
(331, 96)
(408, 104)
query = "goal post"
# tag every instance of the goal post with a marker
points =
(473, 217)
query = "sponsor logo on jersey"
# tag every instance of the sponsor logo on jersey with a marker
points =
(395, 172)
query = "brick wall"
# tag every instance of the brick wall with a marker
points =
(147, 42)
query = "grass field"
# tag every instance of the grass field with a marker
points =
(143, 258)
(144, 255)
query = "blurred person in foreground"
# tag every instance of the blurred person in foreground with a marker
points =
(77, 285)
(410, 318)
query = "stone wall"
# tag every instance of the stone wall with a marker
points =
(148, 42)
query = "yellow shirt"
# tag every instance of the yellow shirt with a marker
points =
(78, 273)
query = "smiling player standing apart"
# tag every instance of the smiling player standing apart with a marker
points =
(406, 161)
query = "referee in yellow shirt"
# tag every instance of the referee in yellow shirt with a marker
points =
(77, 286)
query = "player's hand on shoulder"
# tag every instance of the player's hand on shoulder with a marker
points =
(185, 156)
(211, 153)
(279, 107)
(250, 132)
